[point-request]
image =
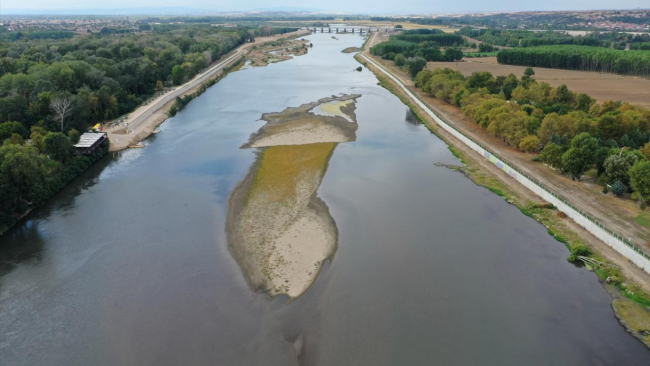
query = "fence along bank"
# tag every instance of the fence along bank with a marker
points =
(617, 242)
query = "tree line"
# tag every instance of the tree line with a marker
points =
(579, 58)
(524, 38)
(429, 50)
(430, 35)
(52, 89)
(570, 131)
(103, 77)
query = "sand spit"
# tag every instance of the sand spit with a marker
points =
(334, 121)
(277, 51)
(351, 50)
(279, 231)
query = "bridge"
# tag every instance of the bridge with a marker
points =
(359, 30)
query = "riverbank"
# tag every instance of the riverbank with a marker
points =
(53, 185)
(625, 277)
(141, 123)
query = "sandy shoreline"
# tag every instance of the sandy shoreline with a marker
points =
(278, 230)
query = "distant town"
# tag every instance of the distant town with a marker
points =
(602, 20)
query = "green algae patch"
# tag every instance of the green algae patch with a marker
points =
(283, 167)
(279, 230)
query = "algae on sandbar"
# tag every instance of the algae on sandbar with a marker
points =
(279, 231)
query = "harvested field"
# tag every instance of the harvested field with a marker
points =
(601, 86)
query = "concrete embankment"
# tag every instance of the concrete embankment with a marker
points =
(622, 246)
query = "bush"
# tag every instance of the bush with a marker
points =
(618, 188)
(578, 250)
(400, 60)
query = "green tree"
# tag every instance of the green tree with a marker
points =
(529, 143)
(617, 166)
(640, 180)
(609, 127)
(509, 84)
(528, 73)
(646, 150)
(9, 128)
(22, 171)
(57, 146)
(178, 75)
(584, 102)
(15, 139)
(74, 136)
(580, 155)
(482, 79)
(552, 155)
(415, 65)
(400, 60)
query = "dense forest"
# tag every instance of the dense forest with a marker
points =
(429, 35)
(103, 77)
(522, 38)
(579, 58)
(572, 132)
(423, 43)
(51, 89)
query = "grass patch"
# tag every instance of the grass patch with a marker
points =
(636, 318)
(643, 219)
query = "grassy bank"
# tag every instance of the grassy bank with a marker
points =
(631, 304)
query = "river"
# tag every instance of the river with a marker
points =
(129, 264)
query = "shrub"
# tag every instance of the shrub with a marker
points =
(618, 188)
(400, 60)
(580, 250)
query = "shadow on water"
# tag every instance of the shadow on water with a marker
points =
(24, 243)
(21, 244)
(411, 118)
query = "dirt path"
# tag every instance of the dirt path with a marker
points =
(136, 128)
(616, 214)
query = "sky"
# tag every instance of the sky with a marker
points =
(359, 6)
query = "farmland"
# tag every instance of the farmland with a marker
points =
(634, 90)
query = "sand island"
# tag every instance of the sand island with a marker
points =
(279, 231)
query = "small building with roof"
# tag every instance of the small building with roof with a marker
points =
(89, 142)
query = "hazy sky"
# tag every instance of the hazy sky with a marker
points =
(359, 6)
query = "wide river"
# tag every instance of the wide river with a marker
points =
(129, 265)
